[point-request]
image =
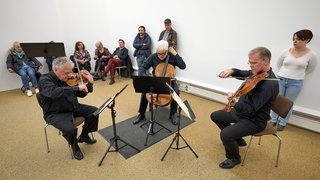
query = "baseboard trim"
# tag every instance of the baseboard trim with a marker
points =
(298, 118)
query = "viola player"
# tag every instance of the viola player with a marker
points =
(250, 112)
(60, 104)
(163, 53)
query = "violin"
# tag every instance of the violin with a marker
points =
(76, 78)
(248, 84)
(162, 70)
(73, 81)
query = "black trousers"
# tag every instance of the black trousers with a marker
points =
(230, 133)
(173, 105)
(64, 122)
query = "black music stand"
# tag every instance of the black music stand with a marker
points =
(147, 84)
(110, 103)
(44, 49)
(187, 109)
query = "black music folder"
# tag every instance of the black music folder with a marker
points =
(44, 49)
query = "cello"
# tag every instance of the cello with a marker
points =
(162, 70)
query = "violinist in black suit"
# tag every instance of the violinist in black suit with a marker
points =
(248, 114)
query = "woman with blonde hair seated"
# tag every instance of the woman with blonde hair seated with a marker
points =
(26, 67)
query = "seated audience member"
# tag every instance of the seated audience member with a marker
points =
(119, 57)
(101, 55)
(82, 56)
(26, 67)
(163, 53)
(60, 103)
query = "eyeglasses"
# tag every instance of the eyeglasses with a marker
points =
(66, 73)
(162, 54)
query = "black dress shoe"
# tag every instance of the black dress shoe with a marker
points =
(77, 154)
(173, 119)
(241, 142)
(111, 81)
(230, 163)
(87, 140)
(139, 118)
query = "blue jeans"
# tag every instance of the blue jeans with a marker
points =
(289, 88)
(24, 73)
(141, 71)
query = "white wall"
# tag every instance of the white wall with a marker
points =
(212, 35)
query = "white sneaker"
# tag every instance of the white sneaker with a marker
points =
(29, 93)
(36, 90)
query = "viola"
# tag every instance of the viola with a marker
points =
(160, 71)
(76, 78)
(248, 84)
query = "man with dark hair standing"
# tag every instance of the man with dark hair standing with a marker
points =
(169, 34)
(142, 45)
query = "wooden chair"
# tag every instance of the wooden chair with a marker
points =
(282, 107)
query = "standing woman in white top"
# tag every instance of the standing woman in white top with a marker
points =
(294, 64)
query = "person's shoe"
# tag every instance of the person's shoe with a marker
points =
(103, 78)
(173, 119)
(36, 90)
(229, 163)
(280, 127)
(241, 142)
(111, 81)
(96, 77)
(87, 140)
(29, 92)
(139, 118)
(23, 89)
(77, 154)
(273, 124)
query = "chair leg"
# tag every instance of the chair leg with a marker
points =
(70, 148)
(46, 136)
(280, 140)
(245, 155)
(92, 135)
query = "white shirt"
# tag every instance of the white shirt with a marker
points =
(296, 68)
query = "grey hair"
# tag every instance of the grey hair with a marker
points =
(60, 62)
(162, 45)
(12, 48)
(264, 53)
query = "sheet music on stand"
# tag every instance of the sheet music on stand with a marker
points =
(183, 105)
(104, 105)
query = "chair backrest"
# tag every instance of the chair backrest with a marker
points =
(282, 106)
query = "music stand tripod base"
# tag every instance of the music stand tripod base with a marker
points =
(151, 85)
(187, 109)
(110, 104)
(176, 139)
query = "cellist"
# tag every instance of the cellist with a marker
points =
(248, 114)
(163, 52)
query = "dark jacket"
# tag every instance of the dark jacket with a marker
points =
(172, 38)
(153, 61)
(56, 96)
(256, 104)
(141, 49)
(14, 62)
(122, 54)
